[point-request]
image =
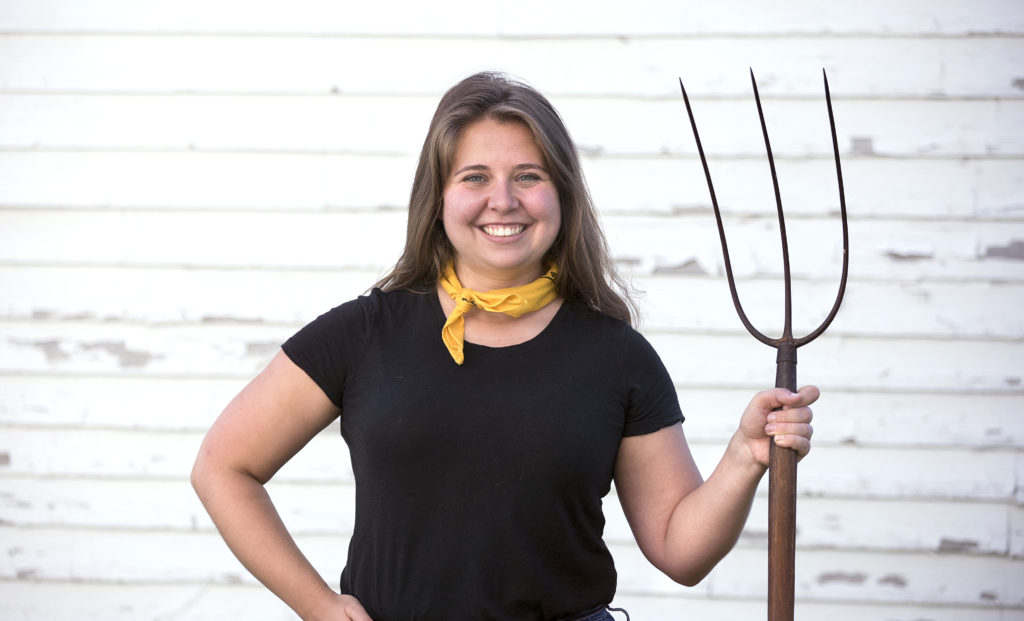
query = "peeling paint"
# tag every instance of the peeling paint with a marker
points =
(862, 145)
(988, 596)
(895, 580)
(896, 255)
(843, 577)
(126, 358)
(957, 545)
(1014, 250)
(5, 459)
(1018, 83)
(261, 348)
(225, 319)
(691, 266)
(52, 350)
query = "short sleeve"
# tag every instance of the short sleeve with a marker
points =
(328, 349)
(652, 400)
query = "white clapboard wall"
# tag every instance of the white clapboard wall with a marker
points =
(183, 185)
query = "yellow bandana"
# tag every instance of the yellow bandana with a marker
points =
(514, 301)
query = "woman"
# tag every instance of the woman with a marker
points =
(490, 388)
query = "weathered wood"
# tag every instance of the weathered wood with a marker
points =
(932, 309)
(105, 556)
(917, 421)
(326, 507)
(132, 63)
(242, 350)
(31, 601)
(891, 473)
(377, 125)
(181, 189)
(930, 191)
(898, 250)
(642, 18)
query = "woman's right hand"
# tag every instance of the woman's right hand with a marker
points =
(342, 608)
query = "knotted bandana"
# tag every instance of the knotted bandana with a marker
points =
(513, 301)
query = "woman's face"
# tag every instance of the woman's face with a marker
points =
(501, 210)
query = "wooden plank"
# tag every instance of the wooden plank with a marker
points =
(897, 249)
(150, 503)
(123, 453)
(218, 351)
(30, 601)
(143, 557)
(24, 600)
(871, 577)
(942, 67)
(929, 190)
(207, 180)
(840, 471)
(396, 125)
(327, 508)
(842, 417)
(211, 296)
(202, 296)
(51, 555)
(643, 18)
(721, 608)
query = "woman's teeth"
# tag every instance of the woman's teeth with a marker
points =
(503, 230)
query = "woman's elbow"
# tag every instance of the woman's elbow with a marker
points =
(688, 577)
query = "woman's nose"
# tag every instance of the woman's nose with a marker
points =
(503, 197)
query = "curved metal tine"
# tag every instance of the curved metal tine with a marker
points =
(787, 326)
(846, 233)
(721, 230)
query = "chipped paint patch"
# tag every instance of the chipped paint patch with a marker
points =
(1018, 83)
(895, 580)
(687, 267)
(126, 358)
(842, 577)
(897, 255)
(1014, 250)
(5, 459)
(862, 145)
(957, 545)
(52, 350)
(988, 596)
(261, 349)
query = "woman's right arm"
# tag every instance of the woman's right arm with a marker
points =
(263, 427)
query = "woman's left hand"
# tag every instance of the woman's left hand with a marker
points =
(790, 426)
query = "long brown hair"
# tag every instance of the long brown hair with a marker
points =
(587, 273)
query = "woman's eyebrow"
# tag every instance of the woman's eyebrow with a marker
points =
(484, 167)
(471, 167)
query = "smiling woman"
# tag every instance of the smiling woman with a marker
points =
(490, 388)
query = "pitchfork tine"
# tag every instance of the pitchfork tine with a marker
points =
(787, 325)
(721, 228)
(846, 233)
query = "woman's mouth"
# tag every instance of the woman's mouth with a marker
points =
(503, 230)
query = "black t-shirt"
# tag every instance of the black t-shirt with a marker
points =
(479, 487)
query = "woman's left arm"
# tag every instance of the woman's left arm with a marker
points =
(683, 524)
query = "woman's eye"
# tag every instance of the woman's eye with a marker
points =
(529, 177)
(473, 178)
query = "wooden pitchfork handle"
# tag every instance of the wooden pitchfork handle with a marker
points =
(782, 461)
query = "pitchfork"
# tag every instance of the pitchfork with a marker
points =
(782, 461)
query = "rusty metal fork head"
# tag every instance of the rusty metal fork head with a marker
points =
(786, 341)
